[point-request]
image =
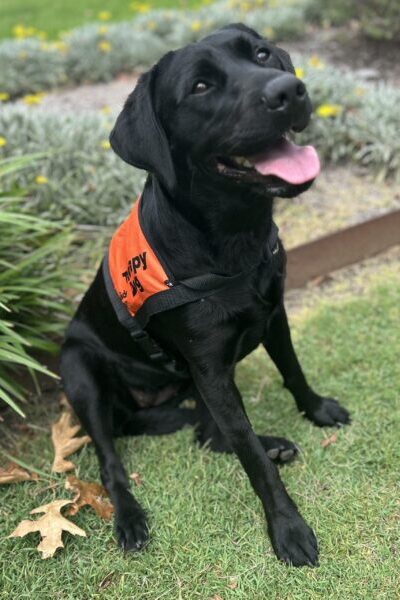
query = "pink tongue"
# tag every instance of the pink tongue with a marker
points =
(294, 164)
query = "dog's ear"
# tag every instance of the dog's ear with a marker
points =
(138, 136)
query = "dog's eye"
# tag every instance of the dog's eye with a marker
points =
(200, 87)
(262, 55)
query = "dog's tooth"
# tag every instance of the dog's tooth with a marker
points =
(247, 163)
(240, 160)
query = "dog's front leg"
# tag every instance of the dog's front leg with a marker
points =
(85, 383)
(292, 539)
(278, 343)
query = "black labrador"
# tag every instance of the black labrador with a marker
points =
(211, 123)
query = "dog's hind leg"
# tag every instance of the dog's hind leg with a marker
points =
(278, 343)
(84, 377)
(278, 449)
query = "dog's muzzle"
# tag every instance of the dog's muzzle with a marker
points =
(287, 95)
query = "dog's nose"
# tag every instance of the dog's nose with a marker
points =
(284, 92)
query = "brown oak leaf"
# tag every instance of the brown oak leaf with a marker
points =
(50, 526)
(63, 402)
(91, 494)
(13, 473)
(64, 442)
(329, 440)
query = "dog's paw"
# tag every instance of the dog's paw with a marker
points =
(326, 412)
(278, 449)
(293, 540)
(131, 529)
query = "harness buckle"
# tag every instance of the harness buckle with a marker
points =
(139, 334)
(276, 249)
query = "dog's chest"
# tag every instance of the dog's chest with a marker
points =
(243, 311)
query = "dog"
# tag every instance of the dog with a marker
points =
(210, 122)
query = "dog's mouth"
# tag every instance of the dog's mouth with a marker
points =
(283, 163)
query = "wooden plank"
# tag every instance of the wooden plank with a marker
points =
(342, 248)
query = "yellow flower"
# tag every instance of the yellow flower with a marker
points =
(4, 96)
(329, 110)
(41, 179)
(104, 15)
(3, 141)
(195, 25)
(299, 72)
(151, 25)
(104, 46)
(33, 98)
(359, 91)
(269, 32)
(316, 62)
(19, 32)
(245, 6)
(102, 29)
(105, 110)
(105, 144)
(60, 46)
(140, 7)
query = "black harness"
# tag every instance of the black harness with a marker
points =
(192, 289)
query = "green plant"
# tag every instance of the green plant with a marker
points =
(33, 276)
(379, 19)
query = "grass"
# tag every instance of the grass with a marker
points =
(208, 530)
(53, 16)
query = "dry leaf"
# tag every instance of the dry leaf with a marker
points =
(216, 597)
(136, 478)
(329, 440)
(14, 473)
(89, 493)
(64, 403)
(64, 442)
(232, 585)
(106, 581)
(50, 527)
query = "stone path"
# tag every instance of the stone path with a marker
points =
(90, 97)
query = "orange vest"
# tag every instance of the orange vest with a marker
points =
(134, 268)
(138, 284)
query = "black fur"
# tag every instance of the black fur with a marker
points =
(203, 222)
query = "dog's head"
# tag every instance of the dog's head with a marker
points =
(222, 108)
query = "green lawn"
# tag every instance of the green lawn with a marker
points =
(53, 16)
(208, 529)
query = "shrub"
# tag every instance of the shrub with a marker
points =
(30, 66)
(85, 180)
(33, 278)
(379, 19)
(98, 52)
